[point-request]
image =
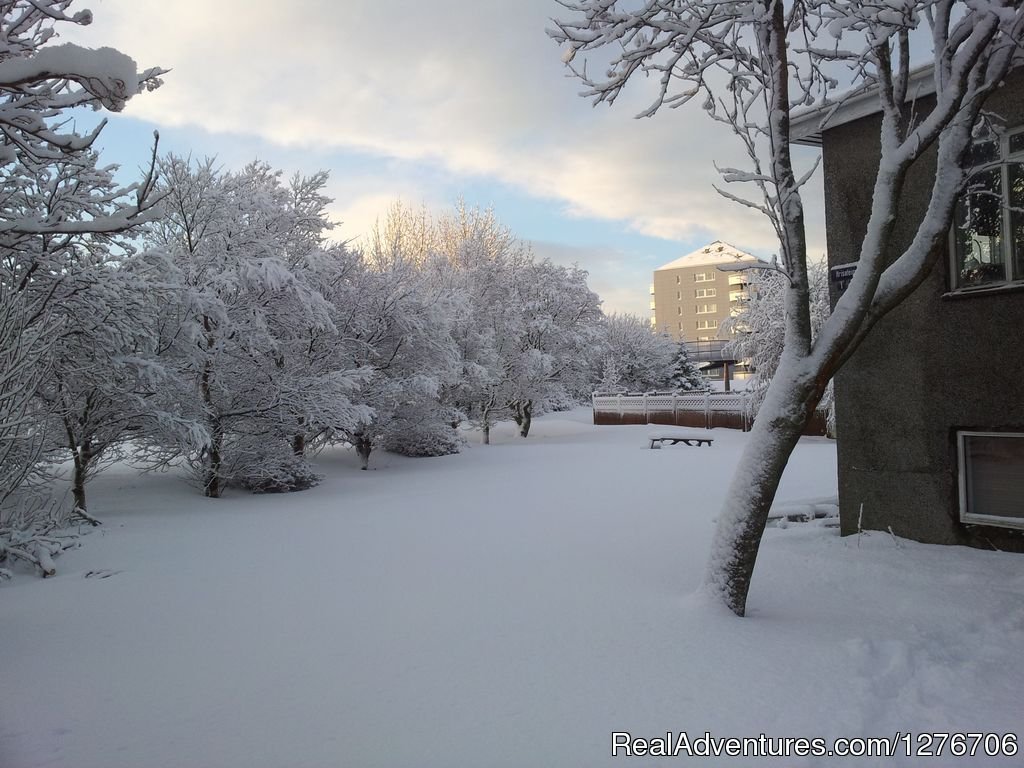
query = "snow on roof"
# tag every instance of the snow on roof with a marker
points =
(806, 125)
(717, 252)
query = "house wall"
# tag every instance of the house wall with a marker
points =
(935, 364)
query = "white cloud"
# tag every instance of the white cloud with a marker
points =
(476, 88)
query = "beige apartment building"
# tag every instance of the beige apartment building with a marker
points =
(691, 297)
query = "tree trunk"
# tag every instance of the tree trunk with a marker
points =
(524, 417)
(788, 407)
(486, 427)
(212, 483)
(81, 461)
(81, 456)
(363, 447)
(299, 444)
(214, 460)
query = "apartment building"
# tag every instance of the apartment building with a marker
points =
(691, 298)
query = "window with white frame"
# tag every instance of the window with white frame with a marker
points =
(705, 293)
(988, 225)
(704, 277)
(706, 325)
(991, 478)
(706, 309)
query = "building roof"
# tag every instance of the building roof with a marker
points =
(717, 252)
(806, 125)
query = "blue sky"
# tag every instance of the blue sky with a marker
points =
(425, 103)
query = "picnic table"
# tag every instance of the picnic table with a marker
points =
(691, 440)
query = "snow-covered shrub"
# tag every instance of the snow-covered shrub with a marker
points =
(559, 402)
(417, 432)
(34, 529)
(279, 473)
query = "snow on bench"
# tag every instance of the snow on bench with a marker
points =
(674, 438)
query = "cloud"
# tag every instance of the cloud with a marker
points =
(475, 88)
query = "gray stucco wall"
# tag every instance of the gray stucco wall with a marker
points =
(935, 364)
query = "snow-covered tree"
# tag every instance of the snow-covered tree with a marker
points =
(686, 376)
(398, 336)
(637, 358)
(320, 356)
(522, 329)
(549, 362)
(54, 201)
(100, 391)
(244, 243)
(750, 64)
(96, 300)
(476, 266)
(24, 364)
(758, 331)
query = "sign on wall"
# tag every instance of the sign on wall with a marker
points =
(840, 275)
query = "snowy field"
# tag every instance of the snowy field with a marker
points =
(510, 606)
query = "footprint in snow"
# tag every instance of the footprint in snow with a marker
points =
(103, 573)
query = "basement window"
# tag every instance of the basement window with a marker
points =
(991, 478)
(988, 227)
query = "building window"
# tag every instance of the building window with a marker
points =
(988, 225)
(705, 293)
(706, 325)
(706, 309)
(679, 295)
(679, 310)
(704, 277)
(991, 478)
(677, 279)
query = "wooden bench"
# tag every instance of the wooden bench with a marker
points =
(656, 442)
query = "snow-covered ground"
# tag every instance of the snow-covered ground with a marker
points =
(510, 606)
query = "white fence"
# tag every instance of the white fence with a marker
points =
(705, 402)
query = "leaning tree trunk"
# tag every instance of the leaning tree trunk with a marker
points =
(795, 389)
(784, 414)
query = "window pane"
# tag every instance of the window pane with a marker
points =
(1016, 176)
(979, 219)
(983, 152)
(995, 476)
(1017, 143)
